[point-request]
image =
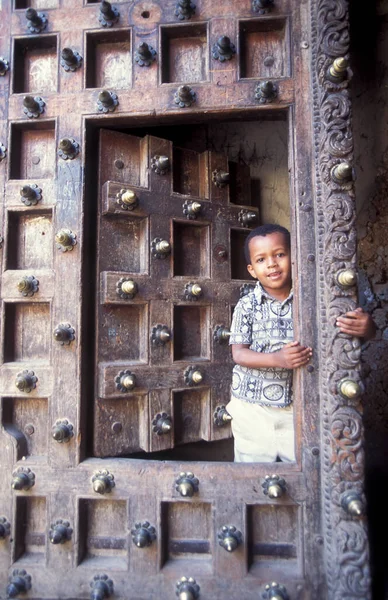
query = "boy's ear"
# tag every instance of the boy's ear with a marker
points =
(251, 271)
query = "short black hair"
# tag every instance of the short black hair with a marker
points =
(264, 230)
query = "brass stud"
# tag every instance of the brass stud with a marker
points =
(221, 334)
(64, 333)
(126, 288)
(37, 21)
(23, 479)
(107, 101)
(338, 70)
(347, 278)
(102, 587)
(161, 424)
(192, 209)
(187, 484)
(28, 285)
(33, 106)
(247, 217)
(125, 381)
(220, 178)
(221, 417)
(71, 60)
(275, 591)
(65, 240)
(193, 291)
(184, 10)
(266, 92)
(60, 532)
(193, 375)
(3, 152)
(109, 15)
(352, 503)
(342, 173)
(350, 389)
(274, 486)
(185, 96)
(262, 6)
(160, 248)
(143, 534)
(62, 431)
(145, 55)
(4, 66)
(160, 335)
(68, 148)
(103, 482)
(160, 164)
(26, 381)
(30, 194)
(223, 49)
(229, 538)
(5, 528)
(19, 583)
(127, 199)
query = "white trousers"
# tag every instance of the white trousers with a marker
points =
(262, 433)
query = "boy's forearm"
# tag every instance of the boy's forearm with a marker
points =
(255, 360)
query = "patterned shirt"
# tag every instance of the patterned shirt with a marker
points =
(266, 325)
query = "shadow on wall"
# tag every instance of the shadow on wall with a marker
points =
(369, 31)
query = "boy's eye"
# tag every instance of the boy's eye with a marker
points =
(281, 254)
(259, 260)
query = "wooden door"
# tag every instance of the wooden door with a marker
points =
(120, 269)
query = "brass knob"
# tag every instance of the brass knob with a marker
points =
(193, 291)
(347, 278)
(68, 148)
(127, 199)
(229, 538)
(107, 101)
(223, 49)
(220, 178)
(342, 173)
(160, 335)
(191, 209)
(262, 6)
(109, 15)
(221, 417)
(60, 532)
(4, 66)
(338, 70)
(3, 152)
(187, 588)
(160, 164)
(23, 479)
(160, 248)
(350, 389)
(33, 106)
(247, 217)
(30, 194)
(184, 96)
(71, 60)
(275, 591)
(126, 288)
(5, 528)
(184, 10)
(37, 21)
(19, 583)
(101, 587)
(193, 375)
(161, 424)
(187, 484)
(26, 381)
(145, 55)
(266, 92)
(221, 334)
(65, 240)
(274, 486)
(143, 534)
(64, 334)
(103, 482)
(28, 285)
(125, 381)
(62, 431)
(352, 503)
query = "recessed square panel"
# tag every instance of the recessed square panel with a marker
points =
(238, 264)
(264, 49)
(191, 250)
(191, 415)
(30, 530)
(29, 240)
(109, 60)
(36, 65)
(127, 244)
(191, 333)
(33, 151)
(123, 333)
(27, 332)
(27, 420)
(184, 53)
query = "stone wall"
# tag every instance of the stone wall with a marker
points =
(369, 31)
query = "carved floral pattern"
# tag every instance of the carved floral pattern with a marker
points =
(343, 457)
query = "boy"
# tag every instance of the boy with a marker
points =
(265, 352)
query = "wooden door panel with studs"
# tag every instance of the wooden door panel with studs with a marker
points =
(165, 289)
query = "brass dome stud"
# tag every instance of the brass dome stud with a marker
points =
(187, 589)
(160, 164)
(262, 7)
(30, 194)
(68, 148)
(162, 424)
(26, 381)
(346, 278)
(193, 291)
(60, 532)
(127, 199)
(143, 534)
(160, 335)
(338, 71)
(64, 333)
(185, 96)
(23, 479)
(109, 15)
(275, 591)
(145, 55)
(107, 101)
(221, 334)
(184, 10)
(223, 49)
(342, 173)
(126, 288)
(247, 218)
(125, 381)
(266, 92)
(229, 538)
(160, 248)
(221, 417)
(62, 431)
(103, 482)
(220, 178)
(3, 152)
(191, 209)
(33, 106)
(352, 503)
(28, 285)
(193, 375)
(4, 66)
(19, 583)
(349, 389)
(65, 240)
(36, 21)
(101, 587)
(71, 60)
(187, 484)
(274, 486)
(5, 528)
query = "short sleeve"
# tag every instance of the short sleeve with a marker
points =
(241, 328)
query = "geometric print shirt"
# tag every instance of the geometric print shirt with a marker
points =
(266, 325)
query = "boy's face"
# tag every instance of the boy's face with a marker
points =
(271, 263)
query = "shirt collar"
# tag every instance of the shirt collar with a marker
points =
(260, 294)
